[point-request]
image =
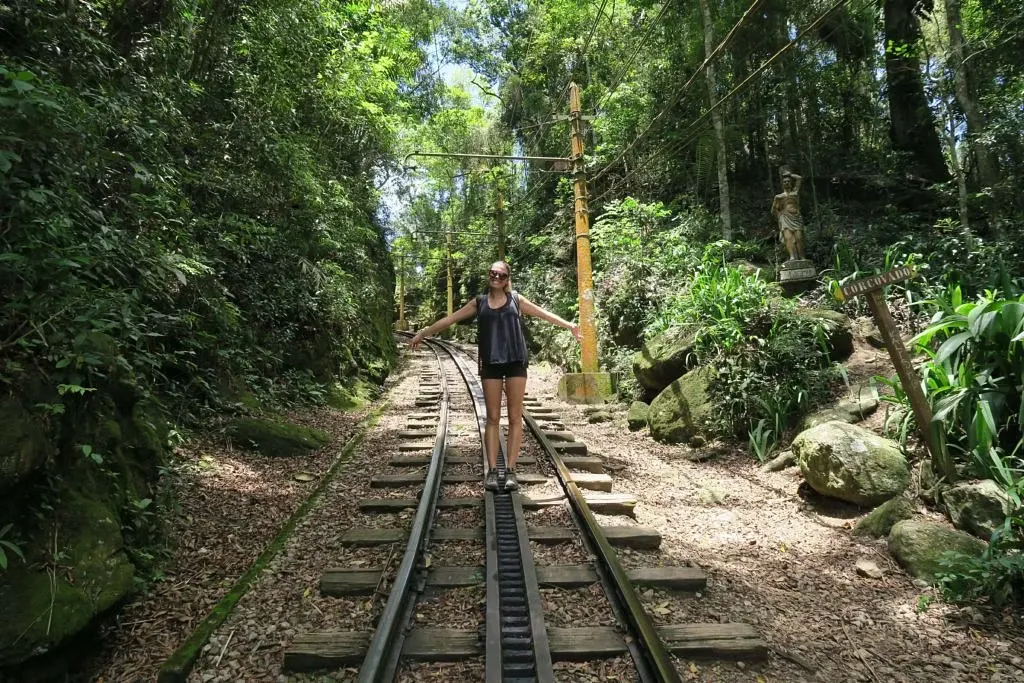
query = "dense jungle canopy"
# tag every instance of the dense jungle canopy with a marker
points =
(208, 207)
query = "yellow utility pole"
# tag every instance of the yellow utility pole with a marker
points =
(401, 293)
(451, 275)
(584, 276)
(501, 225)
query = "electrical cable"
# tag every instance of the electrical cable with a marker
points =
(593, 29)
(741, 87)
(686, 86)
(617, 80)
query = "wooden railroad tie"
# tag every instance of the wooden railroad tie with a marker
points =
(342, 581)
(316, 651)
(417, 433)
(416, 446)
(585, 480)
(423, 460)
(600, 502)
(573, 447)
(636, 537)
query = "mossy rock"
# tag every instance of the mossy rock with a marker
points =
(636, 417)
(276, 438)
(851, 463)
(849, 410)
(838, 330)
(24, 446)
(663, 359)
(351, 394)
(880, 521)
(679, 412)
(918, 545)
(96, 575)
(978, 507)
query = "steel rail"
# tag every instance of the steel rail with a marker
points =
(649, 653)
(514, 651)
(381, 661)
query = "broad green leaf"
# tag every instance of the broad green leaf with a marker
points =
(951, 346)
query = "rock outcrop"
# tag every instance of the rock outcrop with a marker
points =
(678, 413)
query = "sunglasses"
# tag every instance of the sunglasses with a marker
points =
(498, 275)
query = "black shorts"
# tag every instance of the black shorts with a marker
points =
(502, 370)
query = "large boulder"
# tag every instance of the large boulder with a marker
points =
(663, 359)
(978, 507)
(881, 520)
(636, 418)
(24, 446)
(40, 610)
(838, 330)
(918, 545)
(678, 413)
(275, 438)
(851, 463)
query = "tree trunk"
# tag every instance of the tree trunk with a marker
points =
(911, 122)
(963, 80)
(717, 124)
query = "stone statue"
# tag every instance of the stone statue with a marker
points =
(786, 206)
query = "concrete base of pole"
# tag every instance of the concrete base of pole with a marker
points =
(587, 387)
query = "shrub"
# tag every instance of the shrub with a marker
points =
(770, 363)
(973, 378)
(998, 575)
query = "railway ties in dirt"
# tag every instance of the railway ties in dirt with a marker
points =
(562, 471)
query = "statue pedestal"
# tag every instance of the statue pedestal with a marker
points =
(797, 276)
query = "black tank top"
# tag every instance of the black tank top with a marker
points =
(499, 332)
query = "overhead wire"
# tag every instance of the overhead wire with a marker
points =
(741, 87)
(686, 86)
(593, 28)
(617, 80)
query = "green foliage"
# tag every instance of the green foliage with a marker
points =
(762, 440)
(973, 378)
(998, 574)
(190, 216)
(771, 364)
(8, 546)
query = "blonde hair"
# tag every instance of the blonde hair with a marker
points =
(508, 269)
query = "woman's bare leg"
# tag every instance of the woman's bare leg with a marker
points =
(492, 396)
(515, 389)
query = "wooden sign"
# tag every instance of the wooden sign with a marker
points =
(868, 284)
(871, 287)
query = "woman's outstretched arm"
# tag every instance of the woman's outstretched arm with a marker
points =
(530, 308)
(444, 323)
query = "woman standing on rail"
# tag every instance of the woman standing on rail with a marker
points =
(501, 348)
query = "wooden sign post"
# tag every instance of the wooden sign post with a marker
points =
(871, 288)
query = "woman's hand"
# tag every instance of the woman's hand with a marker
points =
(415, 341)
(576, 333)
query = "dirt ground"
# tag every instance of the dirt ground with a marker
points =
(776, 559)
(784, 562)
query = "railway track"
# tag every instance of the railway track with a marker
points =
(515, 642)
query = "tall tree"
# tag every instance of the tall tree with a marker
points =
(911, 122)
(717, 123)
(966, 96)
